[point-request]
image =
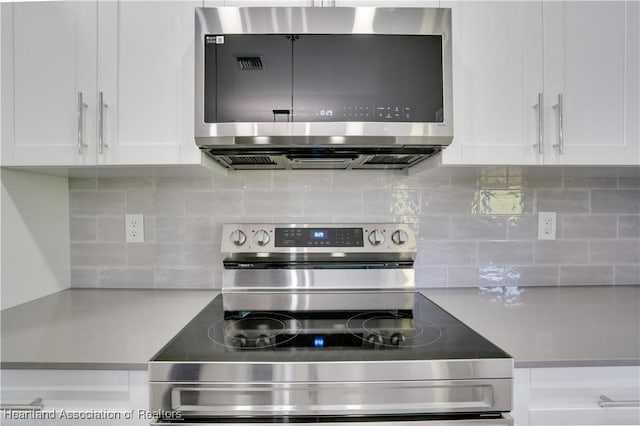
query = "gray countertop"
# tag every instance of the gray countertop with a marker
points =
(123, 329)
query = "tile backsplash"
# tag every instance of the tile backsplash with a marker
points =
(473, 229)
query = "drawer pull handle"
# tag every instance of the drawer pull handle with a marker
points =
(607, 402)
(35, 405)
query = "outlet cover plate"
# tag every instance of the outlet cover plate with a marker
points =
(546, 225)
(134, 228)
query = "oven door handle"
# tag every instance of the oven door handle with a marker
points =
(331, 399)
(504, 420)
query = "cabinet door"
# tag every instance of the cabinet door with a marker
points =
(145, 75)
(570, 396)
(52, 60)
(497, 77)
(591, 59)
(66, 393)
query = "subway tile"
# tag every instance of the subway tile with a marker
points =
(96, 203)
(333, 203)
(196, 228)
(505, 253)
(431, 277)
(614, 251)
(141, 202)
(433, 228)
(202, 255)
(522, 227)
(561, 252)
(439, 201)
(185, 183)
(126, 183)
(156, 202)
(83, 183)
(629, 226)
(492, 275)
(498, 201)
(98, 254)
(579, 182)
(619, 201)
(478, 228)
(301, 180)
(184, 278)
(627, 274)
(124, 278)
(168, 254)
(83, 229)
(111, 229)
(446, 253)
(532, 276)
(403, 202)
(419, 181)
(550, 182)
(630, 182)
(218, 203)
(586, 275)
(588, 226)
(361, 180)
(84, 277)
(473, 276)
(246, 180)
(567, 201)
(142, 254)
(270, 203)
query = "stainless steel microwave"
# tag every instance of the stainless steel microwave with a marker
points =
(322, 80)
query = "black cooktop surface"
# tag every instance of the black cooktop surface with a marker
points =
(424, 332)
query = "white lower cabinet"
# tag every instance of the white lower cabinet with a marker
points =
(572, 396)
(75, 397)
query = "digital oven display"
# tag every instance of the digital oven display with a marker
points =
(319, 234)
(319, 237)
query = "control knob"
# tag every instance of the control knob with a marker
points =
(261, 237)
(397, 339)
(399, 237)
(239, 341)
(238, 237)
(263, 341)
(375, 340)
(376, 237)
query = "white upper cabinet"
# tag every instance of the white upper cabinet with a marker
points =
(145, 79)
(47, 53)
(137, 60)
(579, 58)
(591, 64)
(497, 77)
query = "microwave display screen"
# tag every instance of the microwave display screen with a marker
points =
(321, 77)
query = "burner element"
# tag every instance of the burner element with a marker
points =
(257, 331)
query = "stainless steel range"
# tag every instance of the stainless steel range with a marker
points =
(322, 323)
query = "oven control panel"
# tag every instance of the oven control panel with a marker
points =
(318, 238)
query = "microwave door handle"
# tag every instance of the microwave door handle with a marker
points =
(277, 112)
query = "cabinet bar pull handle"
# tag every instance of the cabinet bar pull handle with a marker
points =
(102, 106)
(538, 106)
(558, 106)
(81, 107)
(607, 402)
(35, 405)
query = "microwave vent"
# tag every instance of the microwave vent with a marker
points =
(391, 159)
(249, 63)
(244, 160)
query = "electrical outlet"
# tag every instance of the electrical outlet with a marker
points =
(134, 228)
(546, 225)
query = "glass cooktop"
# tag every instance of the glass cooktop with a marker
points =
(424, 332)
